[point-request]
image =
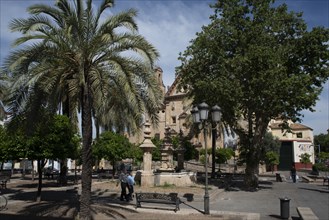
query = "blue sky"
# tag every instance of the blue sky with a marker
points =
(170, 25)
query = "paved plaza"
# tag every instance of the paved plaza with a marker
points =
(225, 202)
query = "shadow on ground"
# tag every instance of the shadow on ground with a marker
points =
(58, 203)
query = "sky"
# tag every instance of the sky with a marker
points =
(170, 25)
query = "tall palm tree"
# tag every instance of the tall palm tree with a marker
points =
(4, 89)
(79, 59)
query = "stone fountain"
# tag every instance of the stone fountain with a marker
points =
(166, 173)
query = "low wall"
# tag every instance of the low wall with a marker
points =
(177, 179)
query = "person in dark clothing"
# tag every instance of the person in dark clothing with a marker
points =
(124, 184)
(293, 173)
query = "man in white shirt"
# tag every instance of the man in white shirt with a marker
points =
(131, 183)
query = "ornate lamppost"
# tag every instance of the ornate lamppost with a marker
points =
(200, 117)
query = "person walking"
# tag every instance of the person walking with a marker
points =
(131, 183)
(293, 173)
(123, 180)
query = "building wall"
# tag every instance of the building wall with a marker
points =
(299, 148)
(175, 114)
(301, 138)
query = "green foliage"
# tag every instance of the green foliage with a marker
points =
(50, 137)
(156, 153)
(224, 154)
(168, 185)
(323, 141)
(271, 143)
(183, 142)
(3, 144)
(305, 158)
(136, 153)
(272, 158)
(63, 139)
(99, 67)
(190, 151)
(321, 167)
(175, 141)
(202, 158)
(271, 150)
(203, 151)
(112, 147)
(234, 59)
(324, 156)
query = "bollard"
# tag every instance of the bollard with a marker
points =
(284, 208)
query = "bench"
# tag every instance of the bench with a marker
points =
(307, 179)
(4, 178)
(168, 199)
(314, 177)
(280, 178)
(305, 213)
(105, 175)
(3, 181)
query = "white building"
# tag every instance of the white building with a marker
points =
(294, 143)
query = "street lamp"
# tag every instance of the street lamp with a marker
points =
(200, 116)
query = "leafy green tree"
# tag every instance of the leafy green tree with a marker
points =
(112, 147)
(156, 152)
(323, 163)
(136, 153)
(271, 150)
(272, 159)
(258, 62)
(190, 151)
(223, 155)
(321, 141)
(203, 157)
(271, 143)
(50, 136)
(305, 159)
(324, 156)
(104, 69)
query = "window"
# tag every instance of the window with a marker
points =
(299, 135)
(173, 119)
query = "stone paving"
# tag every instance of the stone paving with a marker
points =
(62, 202)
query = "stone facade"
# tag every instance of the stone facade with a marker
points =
(175, 114)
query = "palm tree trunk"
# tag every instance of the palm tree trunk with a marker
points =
(85, 211)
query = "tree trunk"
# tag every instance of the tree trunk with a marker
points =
(252, 171)
(63, 172)
(39, 167)
(33, 170)
(254, 152)
(85, 211)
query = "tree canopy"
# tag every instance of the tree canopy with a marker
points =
(115, 147)
(101, 67)
(257, 62)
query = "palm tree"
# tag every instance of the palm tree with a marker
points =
(84, 64)
(4, 88)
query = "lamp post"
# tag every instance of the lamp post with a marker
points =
(200, 116)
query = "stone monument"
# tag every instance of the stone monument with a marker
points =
(180, 152)
(166, 154)
(147, 176)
